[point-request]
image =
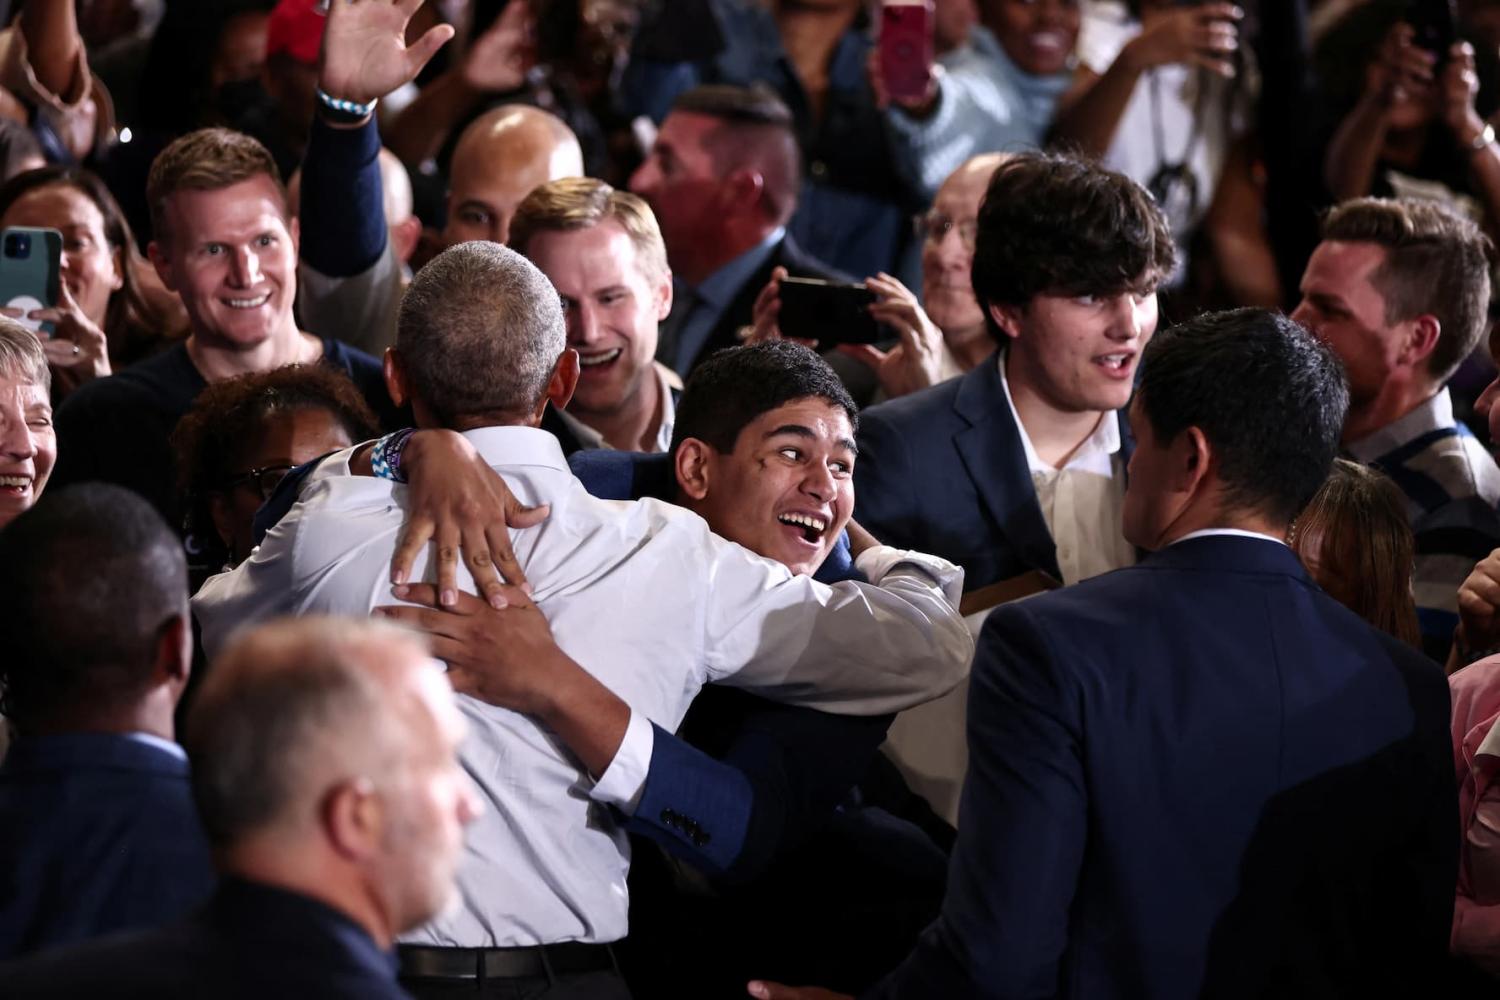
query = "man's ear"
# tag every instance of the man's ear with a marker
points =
(353, 817)
(294, 228)
(564, 379)
(744, 188)
(1008, 318)
(395, 378)
(160, 260)
(1421, 340)
(1192, 461)
(693, 464)
(174, 653)
(404, 237)
(664, 296)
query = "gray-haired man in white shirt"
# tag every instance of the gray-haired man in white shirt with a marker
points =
(642, 594)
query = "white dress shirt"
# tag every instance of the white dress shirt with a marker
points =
(651, 602)
(1083, 502)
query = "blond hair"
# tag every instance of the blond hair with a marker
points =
(574, 203)
(209, 159)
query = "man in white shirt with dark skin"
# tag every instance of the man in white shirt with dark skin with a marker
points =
(481, 350)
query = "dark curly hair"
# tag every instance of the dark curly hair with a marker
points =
(211, 437)
(1053, 224)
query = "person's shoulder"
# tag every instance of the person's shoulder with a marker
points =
(348, 357)
(916, 409)
(166, 379)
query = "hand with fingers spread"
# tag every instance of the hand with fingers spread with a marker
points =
(763, 326)
(917, 361)
(458, 502)
(763, 989)
(365, 55)
(1204, 35)
(497, 62)
(508, 658)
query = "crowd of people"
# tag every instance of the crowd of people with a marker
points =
(671, 498)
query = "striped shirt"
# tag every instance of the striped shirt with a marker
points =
(1452, 487)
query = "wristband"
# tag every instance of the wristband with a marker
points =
(342, 112)
(385, 457)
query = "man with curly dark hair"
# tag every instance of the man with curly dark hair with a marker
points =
(1019, 465)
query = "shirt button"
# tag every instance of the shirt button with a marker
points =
(818, 168)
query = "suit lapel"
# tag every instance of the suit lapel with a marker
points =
(995, 458)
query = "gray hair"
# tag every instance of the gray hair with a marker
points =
(287, 705)
(480, 331)
(21, 355)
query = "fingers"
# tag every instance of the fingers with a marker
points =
(866, 354)
(426, 47)
(763, 989)
(446, 550)
(503, 558)
(426, 594)
(518, 515)
(415, 534)
(482, 561)
(436, 623)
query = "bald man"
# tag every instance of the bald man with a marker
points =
(352, 272)
(325, 772)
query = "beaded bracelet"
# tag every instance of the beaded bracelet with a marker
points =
(342, 111)
(385, 457)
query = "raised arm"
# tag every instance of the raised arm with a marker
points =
(1354, 151)
(53, 45)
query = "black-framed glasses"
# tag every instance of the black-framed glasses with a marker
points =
(262, 481)
(935, 226)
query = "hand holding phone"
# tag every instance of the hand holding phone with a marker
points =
(30, 271)
(830, 313)
(906, 49)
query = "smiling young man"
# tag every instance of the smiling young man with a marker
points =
(1028, 447)
(224, 242)
(1400, 291)
(601, 248)
(643, 594)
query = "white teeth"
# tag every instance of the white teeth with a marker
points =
(590, 360)
(803, 520)
(17, 482)
(254, 303)
(1115, 360)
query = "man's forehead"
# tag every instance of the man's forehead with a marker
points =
(1345, 262)
(823, 417)
(252, 204)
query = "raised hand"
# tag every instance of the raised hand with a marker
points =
(916, 362)
(365, 55)
(1458, 86)
(1204, 35)
(498, 60)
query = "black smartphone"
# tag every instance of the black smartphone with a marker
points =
(830, 313)
(1435, 26)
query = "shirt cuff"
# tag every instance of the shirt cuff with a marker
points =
(622, 782)
(880, 561)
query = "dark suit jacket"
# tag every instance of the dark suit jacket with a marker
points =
(249, 941)
(97, 834)
(1199, 776)
(944, 471)
(738, 313)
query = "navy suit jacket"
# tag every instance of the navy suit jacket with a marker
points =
(97, 834)
(753, 775)
(1198, 776)
(944, 471)
(249, 942)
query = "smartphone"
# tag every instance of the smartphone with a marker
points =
(829, 313)
(1435, 26)
(906, 51)
(30, 269)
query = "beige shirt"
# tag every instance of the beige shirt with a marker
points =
(1081, 502)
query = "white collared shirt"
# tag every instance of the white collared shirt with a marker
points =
(1232, 532)
(1083, 502)
(648, 600)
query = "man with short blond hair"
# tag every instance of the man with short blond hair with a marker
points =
(225, 243)
(602, 249)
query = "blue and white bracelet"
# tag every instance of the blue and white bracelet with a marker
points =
(385, 457)
(344, 111)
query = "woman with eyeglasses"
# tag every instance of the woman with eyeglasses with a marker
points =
(242, 436)
(942, 335)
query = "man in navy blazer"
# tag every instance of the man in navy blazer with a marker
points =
(97, 827)
(1201, 776)
(1019, 465)
(326, 774)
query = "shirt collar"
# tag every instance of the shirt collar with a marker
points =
(517, 445)
(1093, 455)
(151, 740)
(718, 288)
(1429, 415)
(589, 438)
(1235, 532)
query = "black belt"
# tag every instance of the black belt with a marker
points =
(541, 961)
